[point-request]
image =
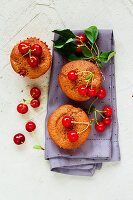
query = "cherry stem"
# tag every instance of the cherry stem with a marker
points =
(79, 122)
(84, 72)
(28, 100)
(97, 49)
(92, 47)
(37, 140)
(92, 104)
(25, 47)
(84, 129)
(26, 145)
(100, 113)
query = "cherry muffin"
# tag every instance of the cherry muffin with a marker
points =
(80, 80)
(69, 127)
(30, 58)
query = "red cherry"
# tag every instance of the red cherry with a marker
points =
(100, 126)
(66, 121)
(30, 126)
(78, 50)
(19, 139)
(107, 120)
(101, 93)
(72, 75)
(82, 37)
(35, 93)
(23, 47)
(72, 135)
(33, 60)
(107, 111)
(22, 108)
(36, 49)
(82, 90)
(91, 92)
(35, 103)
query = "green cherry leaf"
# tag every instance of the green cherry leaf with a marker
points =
(37, 147)
(67, 49)
(99, 63)
(91, 33)
(106, 56)
(86, 52)
(88, 77)
(91, 110)
(94, 122)
(61, 42)
(67, 33)
(75, 57)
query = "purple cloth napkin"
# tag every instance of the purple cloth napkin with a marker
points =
(99, 147)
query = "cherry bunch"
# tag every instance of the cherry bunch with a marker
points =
(106, 118)
(85, 90)
(34, 101)
(30, 126)
(33, 51)
(80, 40)
(72, 134)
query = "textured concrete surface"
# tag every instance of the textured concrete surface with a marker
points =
(24, 174)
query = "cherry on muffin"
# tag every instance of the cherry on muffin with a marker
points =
(72, 75)
(82, 90)
(36, 49)
(73, 135)
(23, 47)
(91, 91)
(33, 60)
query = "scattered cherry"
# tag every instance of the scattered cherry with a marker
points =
(101, 93)
(23, 47)
(33, 60)
(82, 37)
(100, 126)
(91, 92)
(72, 135)
(36, 49)
(72, 75)
(22, 108)
(30, 126)
(66, 121)
(19, 139)
(82, 90)
(107, 111)
(35, 93)
(35, 103)
(107, 120)
(78, 50)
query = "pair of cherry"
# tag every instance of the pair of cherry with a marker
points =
(100, 125)
(19, 138)
(80, 38)
(35, 94)
(34, 51)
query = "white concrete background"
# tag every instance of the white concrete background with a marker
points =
(24, 174)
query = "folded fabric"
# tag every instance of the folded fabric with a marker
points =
(99, 147)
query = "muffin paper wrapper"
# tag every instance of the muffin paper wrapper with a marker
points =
(99, 147)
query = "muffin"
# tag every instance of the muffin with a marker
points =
(79, 86)
(22, 62)
(60, 132)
